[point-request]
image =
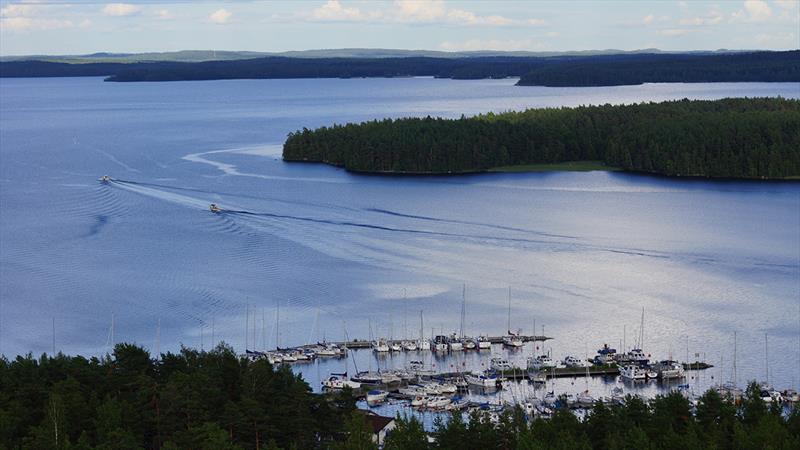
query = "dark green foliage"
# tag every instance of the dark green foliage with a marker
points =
(732, 138)
(188, 400)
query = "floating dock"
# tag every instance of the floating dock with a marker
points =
(357, 344)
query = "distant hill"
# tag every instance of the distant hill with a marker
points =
(561, 70)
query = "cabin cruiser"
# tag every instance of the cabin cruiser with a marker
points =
(214, 208)
(438, 402)
(584, 400)
(667, 370)
(469, 344)
(541, 362)
(339, 381)
(380, 346)
(632, 372)
(605, 355)
(482, 379)
(537, 377)
(484, 343)
(500, 364)
(454, 344)
(636, 356)
(104, 179)
(571, 361)
(409, 346)
(512, 340)
(424, 344)
(376, 396)
(439, 344)
(395, 347)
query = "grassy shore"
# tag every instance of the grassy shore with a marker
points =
(571, 166)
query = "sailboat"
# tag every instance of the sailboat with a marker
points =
(512, 340)
(424, 343)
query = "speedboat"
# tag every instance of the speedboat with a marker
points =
(104, 179)
(214, 208)
(376, 396)
(338, 382)
(484, 343)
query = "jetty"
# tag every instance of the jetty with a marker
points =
(356, 344)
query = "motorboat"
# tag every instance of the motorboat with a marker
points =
(537, 377)
(104, 179)
(571, 361)
(339, 381)
(367, 378)
(636, 355)
(214, 208)
(438, 402)
(439, 344)
(632, 372)
(469, 344)
(409, 346)
(395, 347)
(454, 344)
(484, 343)
(606, 355)
(541, 362)
(512, 340)
(376, 396)
(667, 370)
(482, 379)
(424, 344)
(380, 346)
(584, 400)
(500, 364)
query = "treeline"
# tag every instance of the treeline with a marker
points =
(732, 138)
(187, 400)
(638, 69)
(666, 422)
(564, 70)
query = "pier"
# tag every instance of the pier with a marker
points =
(357, 344)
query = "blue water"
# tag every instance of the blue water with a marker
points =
(583, 253)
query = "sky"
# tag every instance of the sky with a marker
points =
(81, 26)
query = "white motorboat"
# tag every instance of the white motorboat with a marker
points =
(454, 344)
(500, 364)
(274, 358)
(395, 347)
(409, 346)
(482, 379)
(541, 362)
(104, 179)
(376, 396)
(214, 208)
(338, 382)
(419, 401)
(289, 357)
(367, 378)
(667, 370)
(584, 400)
(439, 344)
(571, 361)
(469, 344)
(484, 343)
(327, 351)
(380, 346)
(632, 372)
(424, 344)
(437, 402)
(512, 340)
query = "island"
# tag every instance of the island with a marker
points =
(749, 138)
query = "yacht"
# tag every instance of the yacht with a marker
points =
(376, 396)
(482, 379)
(571, 361)
(455, 344)
(512, 340)
(424, 344)
(214, 208)
(380, 346)
(500, 364)
(632, 372)
(367, 378)
(667, 370)
(540, 362)
(104, 179)
(484, 343)
(605, 355)
(339, 381)
(439, 344)
(409, 346)
(395, 347)
(438, 402)
(469, 344)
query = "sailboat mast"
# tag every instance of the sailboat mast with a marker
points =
(246, 326)
(509, 310)
(766, 356)
(641, 333)
(405, 315)
(463, 308)
(277, 323)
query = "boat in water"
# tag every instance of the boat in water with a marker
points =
(633, 372)
(500, 364)
(571, 361)
(484, 343)
(439, 344)
(668, 370)
(486, 379)
(339, 381)
(380, 346)
(214, 208)
(104, 179)
(409, 346)
(376, 396)
(540, 362)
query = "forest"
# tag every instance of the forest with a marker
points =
(756, 138)
(215, 400)
(562, 70)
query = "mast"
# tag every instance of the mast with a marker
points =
(766, 357)
(463, 308)
(641, 333)
(421, 328)
(509, 310)
(246, 326)
(405, 315)
(277, 323)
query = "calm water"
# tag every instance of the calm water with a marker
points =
(582, 252)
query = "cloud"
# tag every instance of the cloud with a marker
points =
(19, 10)
(712, 18)
(18, 17)
(648, 19)
(491, 44)
(787, 4)
(120, 9)
(674, 32)
(754, 11)
(220, 16)
(163, 14)
(780, 40)
(30, 24)
(410, 12)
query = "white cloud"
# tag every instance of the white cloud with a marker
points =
(163, 14)
(787, 4)
(220, 16)
(333, 11)
(780, 40)
(120, 9)
(411, 12)
(674, 32)
(491, 44)
(754, 11)
(712, 18)
(31, 24)
(18, 17)
(19, 10)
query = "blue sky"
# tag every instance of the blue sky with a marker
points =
(75, 27)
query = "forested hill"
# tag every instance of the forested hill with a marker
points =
(730, 138)
(638, 69)
(563, 70)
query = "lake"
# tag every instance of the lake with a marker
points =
(582, 253)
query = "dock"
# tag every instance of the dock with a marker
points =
(357, 344)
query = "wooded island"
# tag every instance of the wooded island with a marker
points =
(755, 138)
